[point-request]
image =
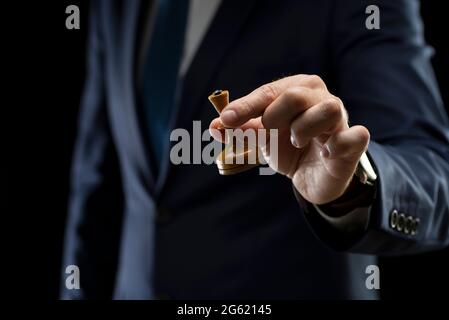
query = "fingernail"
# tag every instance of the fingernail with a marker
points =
(293, 140)
(228, 116)
(325, 151)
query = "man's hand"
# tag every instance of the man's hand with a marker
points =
(317, 149)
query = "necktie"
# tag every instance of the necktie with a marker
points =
(161, 72)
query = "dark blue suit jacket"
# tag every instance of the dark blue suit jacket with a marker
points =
(191, 233)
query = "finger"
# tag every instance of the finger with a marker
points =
(288, 106)
(253, 105)
(217, 130)
(347, 143)
(324, 117)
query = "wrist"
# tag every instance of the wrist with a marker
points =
(361, 191)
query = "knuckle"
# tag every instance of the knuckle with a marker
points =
(344, 112)
(337, 99)
(247, 107)
(363, 135)
(315, 81)
(294, 96)
(268, 92)
(345, 115)
(332, 109)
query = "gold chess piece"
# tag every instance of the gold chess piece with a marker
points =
(232, 159)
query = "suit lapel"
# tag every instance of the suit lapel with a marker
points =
(217, 42)
(130, 33)
(147, 10)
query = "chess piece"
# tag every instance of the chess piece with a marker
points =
(232, 159)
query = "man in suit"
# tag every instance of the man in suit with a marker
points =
(140, 227)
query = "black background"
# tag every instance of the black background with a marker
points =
(47, 73)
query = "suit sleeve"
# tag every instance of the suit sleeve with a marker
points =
(386, 82)
(95, 203)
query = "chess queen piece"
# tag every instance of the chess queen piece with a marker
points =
(236, 156)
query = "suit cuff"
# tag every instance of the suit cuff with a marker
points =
(353, 222)
(341, 232)
(380, 229)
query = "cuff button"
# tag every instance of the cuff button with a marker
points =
(408, 226)
(393, 219)
(415, 225)
(401, 222)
